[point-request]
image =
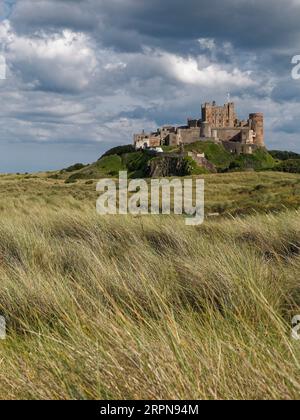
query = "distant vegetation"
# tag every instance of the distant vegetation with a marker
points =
(75, 167)
(290, 165)
(120, 150)
(282, 155)
(286, 161)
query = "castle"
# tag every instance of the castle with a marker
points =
(218, 124)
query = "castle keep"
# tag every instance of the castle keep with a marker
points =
(218, 124)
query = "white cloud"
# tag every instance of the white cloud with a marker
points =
(115, 66)
(64, 61)
(207, 43)
(193, 71)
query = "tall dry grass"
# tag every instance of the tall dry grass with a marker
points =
(147, 308)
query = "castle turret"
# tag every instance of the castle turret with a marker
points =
(205, 129)
(257, 125)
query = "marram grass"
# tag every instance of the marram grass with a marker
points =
(146, 307)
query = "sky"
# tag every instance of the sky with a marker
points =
(83, 76)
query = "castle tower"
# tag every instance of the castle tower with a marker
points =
(205, 129)
(231, 117)
(257, 125)
(219, 116)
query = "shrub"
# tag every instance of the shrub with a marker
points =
(70, 181)
(283, 155)
(119, 150)
(75, 167)
(290, 165)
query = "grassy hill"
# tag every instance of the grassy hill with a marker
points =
(110, 165)
(137, 162)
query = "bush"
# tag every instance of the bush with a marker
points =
(55, 176)
(75, 167)
(290, 165)
(283, 155)
(70, 181)
(120, 150)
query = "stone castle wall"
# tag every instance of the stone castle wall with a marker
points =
(188, 136)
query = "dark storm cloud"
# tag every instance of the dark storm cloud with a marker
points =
(247, 24)
(250, 24)
(51, 15)
(269, 29)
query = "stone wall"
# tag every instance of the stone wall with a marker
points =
(188, 136)
(154, 141)
(239, 148)
(229, 134)
(172, 140)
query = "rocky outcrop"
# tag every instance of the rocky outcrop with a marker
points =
(166, 166)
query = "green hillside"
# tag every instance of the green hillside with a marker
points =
(215, 153)
(260, 160)
(138, 163)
